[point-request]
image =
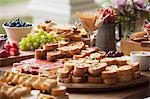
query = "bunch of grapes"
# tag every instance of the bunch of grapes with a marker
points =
(37, 40)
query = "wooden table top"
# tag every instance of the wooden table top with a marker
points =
(140, 92)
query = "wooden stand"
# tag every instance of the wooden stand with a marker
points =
(128, 46)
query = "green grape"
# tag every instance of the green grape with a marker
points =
(29, 45)
(55, 34)
(40, 32)
(38, 40)
(54, 40)
(23, 43)
(28, 39)
(58, 38)
(44, 41)
(35, 45)
(49, 35)
(41, 45)
(43, 36)
(29, 36)
(23, 48)
(49, 40)
(34, 39)
(23, 39)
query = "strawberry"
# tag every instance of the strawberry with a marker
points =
(13, 51)
(4, 53)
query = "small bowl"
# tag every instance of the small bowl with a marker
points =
(143, 57)
(16, 33)
(2, 40)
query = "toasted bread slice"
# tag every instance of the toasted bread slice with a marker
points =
(136, 74)
(48, 84)
(135, 66)
(92, 79)
(109, 61)
(81, 67)
(50, 46)
(76, 79)
(62, 28)
(61, 72)
(52, 56)
(109, 74)
(75, 37)
(110, 81)
(111, 67)
(97, 55)
(40, 54)
(121, 62)
(62, 43)
(59, 90)
(124, 70)
(65, 80)
(89, 61)
(69, 66)
(123, 78)
(97, 68)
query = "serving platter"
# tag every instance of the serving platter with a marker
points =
(11, 59)
(101, 87)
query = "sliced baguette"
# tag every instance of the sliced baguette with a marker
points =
(136, 74)
(109, 61)
(58, 91)
(92, 79)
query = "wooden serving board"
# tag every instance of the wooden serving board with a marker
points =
(100, 87)
(128, 46)
(11, 59)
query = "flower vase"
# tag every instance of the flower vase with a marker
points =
(105, 38)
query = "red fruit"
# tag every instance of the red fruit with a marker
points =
(13, 52)
(7, 42)
(4, 53)
(34, 71)
(7, 47)
(14, 45)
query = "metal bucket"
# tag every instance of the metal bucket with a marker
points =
(105, 38)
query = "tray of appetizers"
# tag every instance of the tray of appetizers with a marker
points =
(53, 56)
(103, 75)
(25, 86)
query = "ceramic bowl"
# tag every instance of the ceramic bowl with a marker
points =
(143, 57)
(16, 33)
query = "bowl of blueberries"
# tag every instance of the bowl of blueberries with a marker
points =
(17, 29)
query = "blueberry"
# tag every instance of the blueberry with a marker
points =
(18, 25)
(5, 36)
(11, 25)
(47, 21)
(17, 19)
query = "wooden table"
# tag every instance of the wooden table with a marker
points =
(132, 93)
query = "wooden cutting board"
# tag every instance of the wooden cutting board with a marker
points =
(128, 46)
(11, 59)
(100, 87)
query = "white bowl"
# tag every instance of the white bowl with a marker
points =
(16, 33)
(143, 57)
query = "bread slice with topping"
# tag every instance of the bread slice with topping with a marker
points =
(58, 91)
(61, 72)
(97, 68)
(121, 62)
(134, 66)
(92, 79)
(50, 46)
(52, 56)
(111, 67)
(109, 61)
(40, 54)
